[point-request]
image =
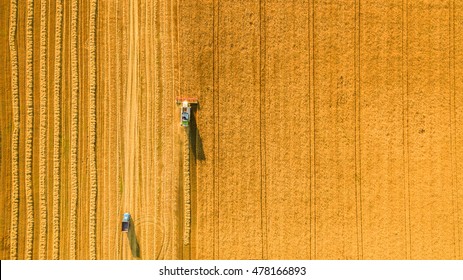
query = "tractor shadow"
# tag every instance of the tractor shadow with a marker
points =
(196, 143)
(133, 241)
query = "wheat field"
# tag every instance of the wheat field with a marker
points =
(324, 129)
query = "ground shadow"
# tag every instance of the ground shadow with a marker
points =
(196, 143)
(133, 242)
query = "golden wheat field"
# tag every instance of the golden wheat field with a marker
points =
(325, 129)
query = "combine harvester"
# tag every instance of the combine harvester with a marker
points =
(126, 222)
(185, 112)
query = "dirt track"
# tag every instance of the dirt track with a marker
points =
(325, 129)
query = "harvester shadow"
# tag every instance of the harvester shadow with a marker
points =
(196, 143)
(133, 242)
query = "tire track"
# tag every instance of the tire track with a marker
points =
(152, 185)
(263, 195)
(15, 133)
(453, 132)
(74, 127)
(119, 87)
(165, 85)
(216, 95)
(166, 221)
(358, 175)
(158, 97)
(108, 116)
(131, 137)
(43, 142)
(57, 129)
(107, 21)
(123, 74)
(176, 161)
(148, 129)
(142, 196)
(150, 126)
(103, 120)
(313, 221)
(29, 128)
(92, 129)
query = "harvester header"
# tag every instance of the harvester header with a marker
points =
(190, 100)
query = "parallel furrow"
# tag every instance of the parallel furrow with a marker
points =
(43, 142)
(107, 142)
(57, 128)
(158, 77)
(29, 127)
(92, 129)
(74, 127)
(118, 123)
(15, 132)
(164, 85)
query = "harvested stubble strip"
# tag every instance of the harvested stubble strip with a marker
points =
(29, 127)
(186, 190)
(57, 128)
(15, 134)
(43, 143)
(92, 130)
(74, 126)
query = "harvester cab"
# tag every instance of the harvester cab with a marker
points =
(185, 111)
(126, 222)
